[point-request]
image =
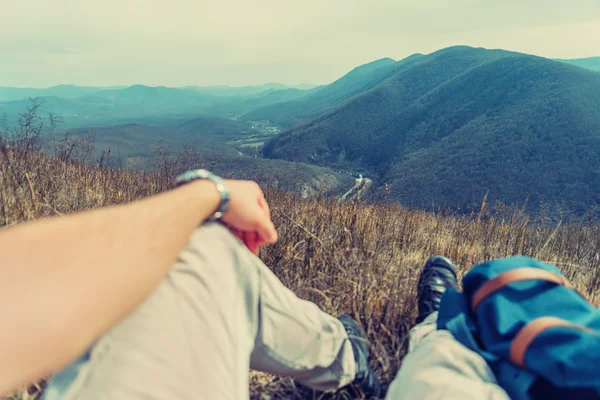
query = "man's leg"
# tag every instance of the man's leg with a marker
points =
(437, 366)
(219, 312)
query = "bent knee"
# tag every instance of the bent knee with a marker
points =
(213, 232)
(213, 252)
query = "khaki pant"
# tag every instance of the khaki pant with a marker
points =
(438, 367)
(219, 312)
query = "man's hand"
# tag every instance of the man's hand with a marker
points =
(248, 216)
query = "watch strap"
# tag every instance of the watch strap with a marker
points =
(200, 174)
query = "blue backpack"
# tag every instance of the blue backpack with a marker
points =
(540, 337)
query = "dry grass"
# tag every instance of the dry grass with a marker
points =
(348, 258)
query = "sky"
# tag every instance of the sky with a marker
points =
(244, 42)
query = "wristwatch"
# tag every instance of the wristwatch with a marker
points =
(222, 188)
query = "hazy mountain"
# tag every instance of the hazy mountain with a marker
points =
(324, 98)
(237, 106)
(462, 121)
(85, 106)
(65, 91)
(113, 105)
(67, 108)
(141, 95)
(247, 90)
(591, 63)
(304, 86)
(73, 91)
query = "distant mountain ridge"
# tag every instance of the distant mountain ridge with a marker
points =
(248, 90)
(461, 121)
(591, 63)
(360, 80)
(84, 106)
(321, 99)
(8, 93)
(66, 91)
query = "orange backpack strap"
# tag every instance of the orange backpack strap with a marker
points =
(515, 275)
(529, 332)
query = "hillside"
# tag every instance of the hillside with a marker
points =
(226, 146)
(463, 121)
(237, 106)
(211, 142)
(287, 112)
(591, 63)
(322, 99)
(135, 141)
(216, 127)
(347, 258)
(242, 136)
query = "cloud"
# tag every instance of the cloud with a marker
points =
(180, 42)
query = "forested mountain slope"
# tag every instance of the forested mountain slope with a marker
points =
(463, 121)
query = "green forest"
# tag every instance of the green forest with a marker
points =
(462, 122)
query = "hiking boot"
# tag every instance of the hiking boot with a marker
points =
(364, 378)
(437, 275)
(364, 381)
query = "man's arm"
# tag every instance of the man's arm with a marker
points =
(66, 281)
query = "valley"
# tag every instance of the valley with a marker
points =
(439, 129)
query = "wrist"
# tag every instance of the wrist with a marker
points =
(206, 196)
(218, 183)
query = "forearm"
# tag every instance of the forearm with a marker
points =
(109, 259)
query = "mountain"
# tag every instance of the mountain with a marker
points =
(304, 86)
(463, 121)
(8, 93)
(67, 108)
(87, 106)
(591, 63)
(141, 95)
(65, 91)
(239, 106)
(322, 99)
(247, 90)
(113, 106)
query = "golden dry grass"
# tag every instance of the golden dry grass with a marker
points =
(348, 258)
